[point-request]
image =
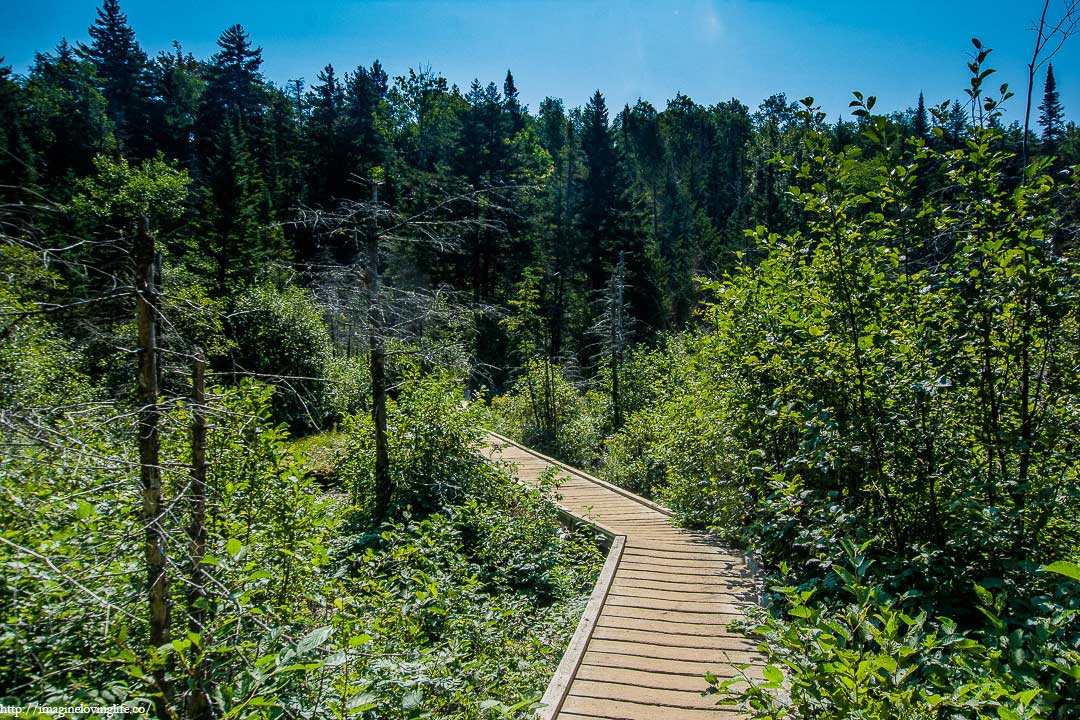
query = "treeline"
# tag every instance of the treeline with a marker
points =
(551, 206)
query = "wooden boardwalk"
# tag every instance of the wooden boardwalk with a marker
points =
(657, 621)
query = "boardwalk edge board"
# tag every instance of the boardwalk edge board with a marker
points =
(559, 687)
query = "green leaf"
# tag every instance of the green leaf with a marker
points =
(1063, 567)
(314, 639)
(361, 702)
(773, 674)
(412, 699)
(233, 547)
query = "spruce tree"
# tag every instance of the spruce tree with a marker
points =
(327, 161)
(1051, 114)
(236, 238)
(598, 191)
(235, 82)
(121, 67)
(920, 126)
(513, 105)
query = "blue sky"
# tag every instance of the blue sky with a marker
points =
(711, 50)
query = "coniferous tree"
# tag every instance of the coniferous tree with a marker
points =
(513, 105)
(327, 159)
(16, 159)
(236, 238)
(775, 132)
(557, 247)
(730, 176)
(234, 80)
(597, 192)
(234, 143)
(425, 123)
(121, 67)
(364, 113)
(1051, 114)
(283, 164)
(920, 126)
(955, 126)
(177, 86)
(646, 148)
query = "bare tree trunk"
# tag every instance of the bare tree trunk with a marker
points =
(149, 454)
(617, 336)
(198, 701)
(384, 489)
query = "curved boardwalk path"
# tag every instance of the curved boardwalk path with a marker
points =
(658, 618)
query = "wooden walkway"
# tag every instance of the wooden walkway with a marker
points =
(657, 620)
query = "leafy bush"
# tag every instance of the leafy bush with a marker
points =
(862, 655)
(281, 337)
(901, 370)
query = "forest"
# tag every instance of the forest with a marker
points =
(252, 337)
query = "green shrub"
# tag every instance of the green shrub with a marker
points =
(865, 654)
(280, 337)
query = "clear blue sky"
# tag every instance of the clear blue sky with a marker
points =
(711, 50)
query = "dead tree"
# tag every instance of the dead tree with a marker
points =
(146, 270)
(384, 489)
(616, 312)
(372, 226)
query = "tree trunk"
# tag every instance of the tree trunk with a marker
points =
(618, 284)
(384, 489)
(149, 454)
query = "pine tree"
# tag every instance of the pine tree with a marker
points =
(513, 105)
(235, 83)
(920, 125)
(327, 161)
(1051, 114)
(598, 191)
(121, 67)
